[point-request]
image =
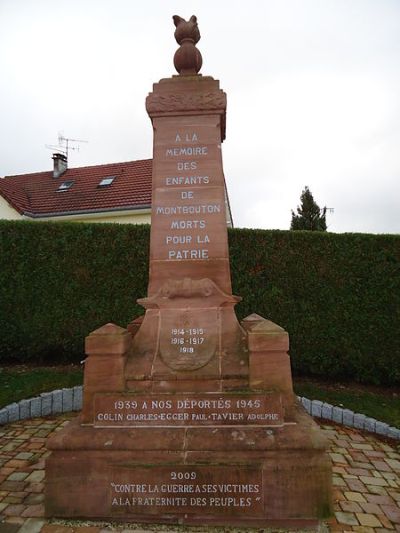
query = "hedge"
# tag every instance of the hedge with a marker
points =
(338, 295)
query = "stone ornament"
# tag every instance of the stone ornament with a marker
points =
(187, 59)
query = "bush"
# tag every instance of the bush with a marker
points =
(338, 296)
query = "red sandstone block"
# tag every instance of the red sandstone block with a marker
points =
(108, 340)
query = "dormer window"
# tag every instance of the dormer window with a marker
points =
(106, 182)
(65, 185)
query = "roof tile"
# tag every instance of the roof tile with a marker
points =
(38, 195)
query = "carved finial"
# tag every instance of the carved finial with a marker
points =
(187, 58)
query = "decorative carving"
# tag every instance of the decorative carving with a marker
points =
(156, 103)
(187, 58)
(187, 288)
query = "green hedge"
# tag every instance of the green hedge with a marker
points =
(338, 296)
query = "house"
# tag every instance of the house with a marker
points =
(115, 192)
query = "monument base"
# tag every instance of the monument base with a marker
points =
(230, 476)
(234, 453)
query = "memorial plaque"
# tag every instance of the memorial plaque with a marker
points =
(189, 338)
(189, 416)
(183, 410)
(189, 489)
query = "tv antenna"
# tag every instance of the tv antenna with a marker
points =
(64, 144)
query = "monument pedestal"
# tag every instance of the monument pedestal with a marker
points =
(237, 455)
(188, 416)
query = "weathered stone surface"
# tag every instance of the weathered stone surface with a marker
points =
(359, 420)
(327, 411)
(306, 404)
(67, 399)
(348, 417)
(13, 412)
(337, 414)
(24, 409)
(36, 407)
(316, 408)
(3, 416)
(47, 403)
(57, 401)
(381, 428)
(369, 424)
(77, 398)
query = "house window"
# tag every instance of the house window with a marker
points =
(106, 182)
(65, 185)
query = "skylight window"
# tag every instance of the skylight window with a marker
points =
(65, 185)
(106, 182)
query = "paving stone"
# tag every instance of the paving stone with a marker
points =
(67, 400)
(348, 417)
(9, 528)
(13, 412)
(354, 496)
(36, 407)
(377, 498)
(24, 455)
(337, 414)
(349, 519)
(368, 520)
(371, 508)
(17, 476)
(57, 402)
(351, 507)
(36, 476)
(47, 401)
(392, 512)
(32, 525)
(3, 505)
(13, 510)
(35, 511)
(370, 480)
(394, 464)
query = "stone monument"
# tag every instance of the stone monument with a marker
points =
(188, 416)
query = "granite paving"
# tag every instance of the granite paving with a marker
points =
(366, 481)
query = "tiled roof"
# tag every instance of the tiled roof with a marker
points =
(37, 194)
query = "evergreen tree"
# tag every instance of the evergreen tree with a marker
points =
(309, 215)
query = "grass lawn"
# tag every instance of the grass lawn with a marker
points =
(22, 382)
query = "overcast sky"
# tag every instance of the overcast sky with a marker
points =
(313, 95)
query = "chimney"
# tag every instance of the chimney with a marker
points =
(60, 165)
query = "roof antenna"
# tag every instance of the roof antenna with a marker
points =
(64, 144)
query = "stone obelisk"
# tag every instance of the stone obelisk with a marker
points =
(190, 295)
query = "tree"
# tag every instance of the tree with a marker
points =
(309, 215)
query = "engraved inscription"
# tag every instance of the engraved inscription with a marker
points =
(189, 489)
(186, 410)
(187, 201)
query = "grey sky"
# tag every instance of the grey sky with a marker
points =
(313, 95)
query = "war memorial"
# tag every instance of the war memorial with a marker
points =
(189, 416)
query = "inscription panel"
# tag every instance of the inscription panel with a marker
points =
(209, 490)
(187, 410)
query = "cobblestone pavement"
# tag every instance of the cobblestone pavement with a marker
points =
(366, 478)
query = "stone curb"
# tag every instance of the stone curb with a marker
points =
(66, 400)
(348, 418)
